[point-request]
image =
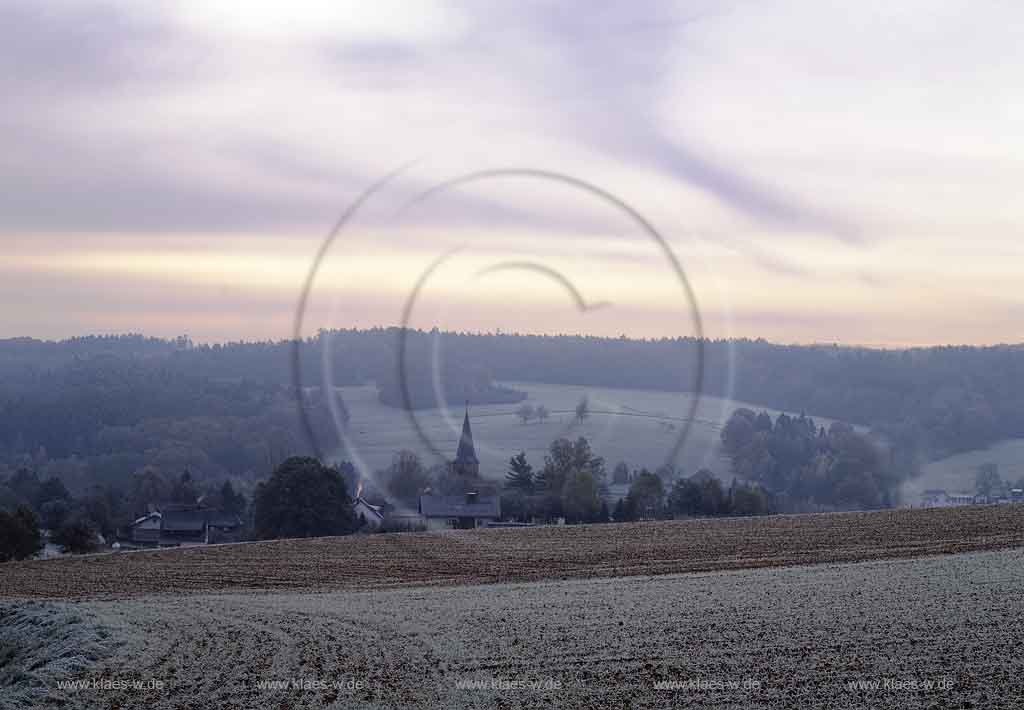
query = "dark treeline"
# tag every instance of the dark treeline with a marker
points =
(102, 420)
(100, 408)
(929, 401)
(457, 379)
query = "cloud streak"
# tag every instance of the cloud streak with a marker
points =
(821, 148)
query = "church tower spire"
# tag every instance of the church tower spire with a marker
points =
(466, 463)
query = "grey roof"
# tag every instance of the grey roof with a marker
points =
(144, 518)
(457, 507)
(373, 509)
(184, 520)
(197, 520)
(466, 452)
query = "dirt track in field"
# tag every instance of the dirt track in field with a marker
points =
(515, 555)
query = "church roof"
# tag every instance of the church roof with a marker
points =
(466, 453)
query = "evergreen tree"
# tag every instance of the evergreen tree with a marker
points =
(520, 474)
(619, 512)
(230, 500)
(184, 489)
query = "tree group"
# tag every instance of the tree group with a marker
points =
(804, 464)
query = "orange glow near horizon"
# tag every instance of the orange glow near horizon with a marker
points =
(232, 287)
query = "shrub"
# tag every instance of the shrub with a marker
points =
(19, 534)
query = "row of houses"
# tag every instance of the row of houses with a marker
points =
(939, 498)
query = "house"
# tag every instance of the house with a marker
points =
(145, 531)
(472, 509)
(961, 499)
(939, 498)
(372, 514)
(461, 512)
(173, 525)
(934, 498)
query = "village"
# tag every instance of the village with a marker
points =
(477, 505)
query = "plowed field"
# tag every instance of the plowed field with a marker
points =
(518, 555)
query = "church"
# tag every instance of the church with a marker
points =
(471, 509)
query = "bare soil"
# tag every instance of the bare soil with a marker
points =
(520, 555)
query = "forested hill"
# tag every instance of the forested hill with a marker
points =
(928, 401)
(64, 394)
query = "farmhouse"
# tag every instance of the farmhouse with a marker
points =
(172, 525)
(471, 509)
(372, 514)
(460, 512)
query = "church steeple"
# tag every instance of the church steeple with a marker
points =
(466, 463)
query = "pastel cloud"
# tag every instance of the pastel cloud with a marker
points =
(790, 151)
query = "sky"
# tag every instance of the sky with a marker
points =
(818, 171)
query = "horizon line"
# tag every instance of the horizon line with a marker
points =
(499, 333)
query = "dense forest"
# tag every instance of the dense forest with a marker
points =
(99, 409)
(806, 467)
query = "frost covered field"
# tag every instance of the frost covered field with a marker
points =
(932, 632)
(625, 425)
(703, 613)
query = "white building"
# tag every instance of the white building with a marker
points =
(939, 498)
(370, 513)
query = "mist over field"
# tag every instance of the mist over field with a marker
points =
(491, 354)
